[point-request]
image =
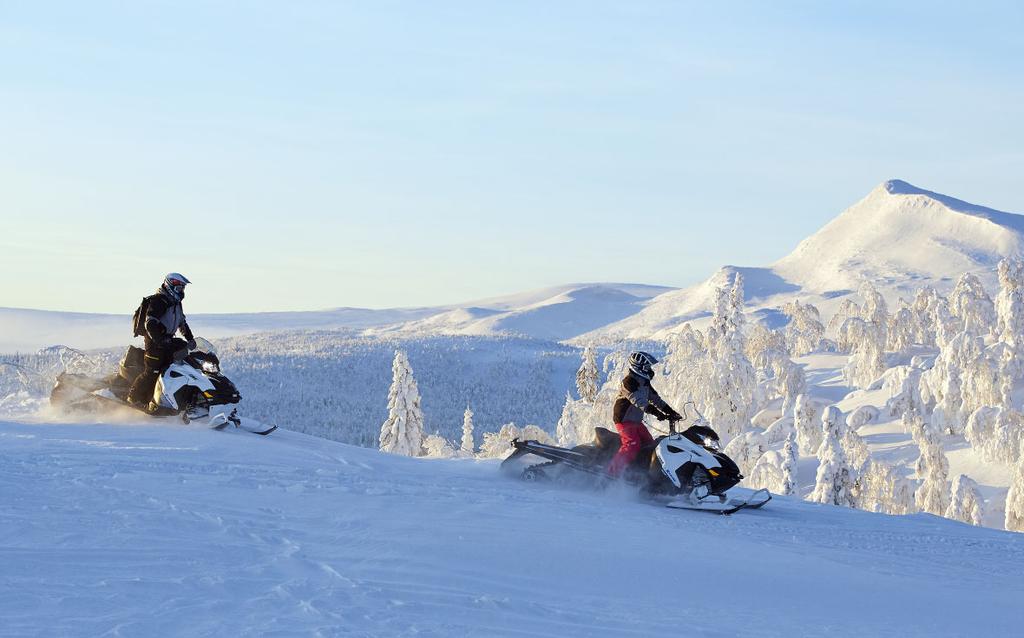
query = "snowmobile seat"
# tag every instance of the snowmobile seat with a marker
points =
(605, 439)
(132, 363)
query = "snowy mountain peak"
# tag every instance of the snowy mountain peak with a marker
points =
(899, 237)
(898, 234)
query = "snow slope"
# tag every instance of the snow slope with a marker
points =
(142, 530)
(566, 313)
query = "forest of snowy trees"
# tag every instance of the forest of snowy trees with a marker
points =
(947, 369)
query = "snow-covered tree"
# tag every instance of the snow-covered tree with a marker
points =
(790, 458)
(498, 445)
(835, 480)
(962, 379)
(862, 416)
(776, 470)
(856, 450)
(996, 433)
(966, 503)
(573, 426)
(764, 346)
(902, 329)
(730, 382)
(683, 366)
(924, 309)
(848, 308)
(436, 446)
(875, 312)
(1015, 500)
(805, 330)
(468, 446)
(1010, 302)
(971, 305)
(932, 468)
(866, 342)
(790, 381)
(880, 488)
(402, 433)
(807, 423)
(903, 386)
(587, 376)
(746, 448)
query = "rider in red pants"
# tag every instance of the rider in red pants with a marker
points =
(636, 398)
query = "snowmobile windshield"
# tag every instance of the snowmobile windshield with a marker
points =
(202, 345)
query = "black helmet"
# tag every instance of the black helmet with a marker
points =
(641, 364)
(174, 286)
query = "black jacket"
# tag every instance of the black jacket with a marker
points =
(164, 318)
(637, 397)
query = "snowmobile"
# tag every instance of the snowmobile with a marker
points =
(685, 470)
(191, 388)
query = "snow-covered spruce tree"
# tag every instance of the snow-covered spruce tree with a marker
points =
(932, 468)
(966, 503)
(763, 347)
(498, 445)
(880, 488)
(805, 330)
(730, 387)
(946, 325)
(776, 470)
(835, 480)
(848, 308)
(790, 381)
(683, 366)
(962, 379)
(402, 433)
(981, 428)
(971, 305)
(587, 376)
(902, 328)
(468, 446)
(807, 423)
(1015, 500)
(790, 458)
(1010, 302)
(866, 344)
(856, 450)
(902, 385)
(436, 446)
(924, 308)
(875, 312)
(1007, 442)
(746, 448)
(573, 425)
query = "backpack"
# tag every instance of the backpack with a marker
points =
(139, 318)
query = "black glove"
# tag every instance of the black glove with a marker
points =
(191, 344)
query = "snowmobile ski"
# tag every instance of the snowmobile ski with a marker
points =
(730, 506)
(260, 432)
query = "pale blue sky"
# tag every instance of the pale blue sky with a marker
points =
(305, 155)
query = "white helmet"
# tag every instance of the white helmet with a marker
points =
(174, 285)
(641, 364)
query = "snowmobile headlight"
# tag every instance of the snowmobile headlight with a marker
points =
(211, 367)
(711, 443)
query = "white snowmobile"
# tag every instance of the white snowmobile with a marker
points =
(191, 388)
(687, 468)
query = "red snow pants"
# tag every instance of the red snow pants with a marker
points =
(634, 437)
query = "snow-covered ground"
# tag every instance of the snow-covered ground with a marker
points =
(129, 529)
